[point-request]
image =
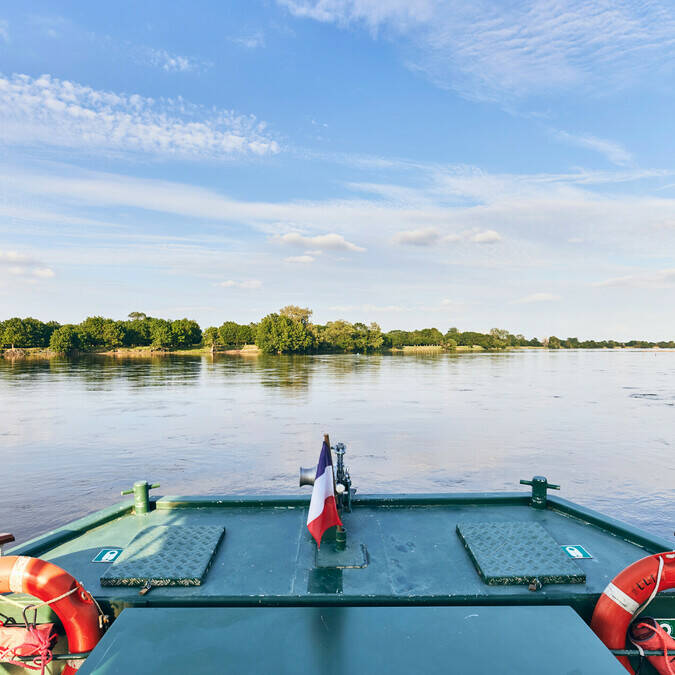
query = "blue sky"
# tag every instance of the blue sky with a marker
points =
(414, 163)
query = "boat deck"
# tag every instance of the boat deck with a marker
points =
(334, 640)
(414, 555)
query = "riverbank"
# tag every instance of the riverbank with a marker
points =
(253, 350)
(128, 352)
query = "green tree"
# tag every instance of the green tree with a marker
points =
(499, 338)
(137, 316)
(14, 333)
(229, 333)
(295, 313)
(553, 342)
(92, 332)
(211, 338)
(244, 335)
(282, 335)
(339, 336)
(161, 335)
(64, 340)
(185, 333)
(375, 337)
(113, 334)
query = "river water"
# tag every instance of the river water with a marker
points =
(600, 423)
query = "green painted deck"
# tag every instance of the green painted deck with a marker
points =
(415, 556)
(369, 640)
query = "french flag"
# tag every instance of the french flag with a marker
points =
(322, 508)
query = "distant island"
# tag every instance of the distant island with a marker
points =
(289, 331)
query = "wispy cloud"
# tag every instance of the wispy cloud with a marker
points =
(537, 297)
(430, 236)
(301, 259)
(367, 308)
(170, 63)
(332, 241)
(458, 205)
(252, 41)
(427, 236)
(21, 265)
(614, 152)
(650, 280)
(52, 112)
(250, 284)
(491, 49)
(4, 31)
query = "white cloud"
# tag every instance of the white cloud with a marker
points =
(428, 236)
(252, 41)
(658, 279)
(492, 49)
(21, 265)
(368, 308)
(250, 284)
(171, 62)
(537, 297)
(614, 152)
(332, 241)
(302, 259)
(486, 237)
(534, 214)
(52, 112)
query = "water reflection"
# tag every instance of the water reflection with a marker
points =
(77, 431)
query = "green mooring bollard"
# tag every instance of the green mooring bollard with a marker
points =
(141, 491)
(539, 487)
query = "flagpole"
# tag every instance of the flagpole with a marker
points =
(340, 532)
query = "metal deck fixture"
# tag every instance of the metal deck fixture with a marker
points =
(337, 553)
(539, 487)
(141, 491)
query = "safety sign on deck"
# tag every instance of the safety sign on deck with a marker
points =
(576, 551)
(107, 555)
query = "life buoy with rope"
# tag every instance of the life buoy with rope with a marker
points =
(76, 608)
(627, 595)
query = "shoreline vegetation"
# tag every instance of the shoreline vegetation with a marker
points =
(289, 331)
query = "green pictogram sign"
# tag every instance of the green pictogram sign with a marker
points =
(107, 555)
(576, 551)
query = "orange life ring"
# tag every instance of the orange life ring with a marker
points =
(624, 595)
(44, 580)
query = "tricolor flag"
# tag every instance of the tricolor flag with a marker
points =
(322, 509)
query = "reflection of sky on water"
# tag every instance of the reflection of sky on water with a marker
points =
(600, 423)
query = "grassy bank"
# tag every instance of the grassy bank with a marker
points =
(127, 352)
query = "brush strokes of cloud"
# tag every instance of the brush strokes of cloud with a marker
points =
(659, 279)
(18, 264)
(537, 297)
(4, 31)
(300, 259)
(431, 236)
(490, 50)
(250, 284)
(532, 213)
(252, 41)
(427, 236)
(367, 308)
(614, 152)
(331, 242)
(46, 111)
(172, 63)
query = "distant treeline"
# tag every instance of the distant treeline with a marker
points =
(287, 332)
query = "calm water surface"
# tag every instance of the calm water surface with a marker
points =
(76, 432)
